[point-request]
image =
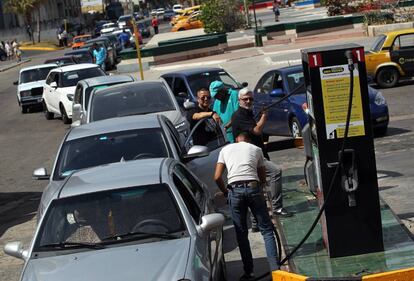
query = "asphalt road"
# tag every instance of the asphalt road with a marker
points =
(29, 141)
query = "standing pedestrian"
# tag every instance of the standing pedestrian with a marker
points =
(206, 132)
(154, 23)
(29, 31)
(225, 104)
(99, 55)
(246, 175)
(243, 121)
(276, 11)
(64, 36)
(8, 49)
(14, 48)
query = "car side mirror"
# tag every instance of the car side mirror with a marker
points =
(40, 174)
(15, 82)
(210, 222)
(15, 249)
(53, 85)
(189, 105)
(277, 93)
(196, 151)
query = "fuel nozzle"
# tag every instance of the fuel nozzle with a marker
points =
(349, 174)
(350, 56)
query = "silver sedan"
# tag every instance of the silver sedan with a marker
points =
(139, 220)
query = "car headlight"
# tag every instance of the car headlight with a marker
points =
(25, 93)
(70, 97)
(379, 99)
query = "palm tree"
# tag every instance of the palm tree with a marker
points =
(22, 7)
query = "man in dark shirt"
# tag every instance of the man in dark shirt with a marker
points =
(206, 131)
(243, 121)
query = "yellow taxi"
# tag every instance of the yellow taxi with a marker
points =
(184, 14)
(192, 22)
(391, 57)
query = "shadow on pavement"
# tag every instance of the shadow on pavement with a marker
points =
(235, 269)
(17, 208)
(391, 131)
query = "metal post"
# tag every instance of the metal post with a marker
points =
(141, 71)
(257, 36)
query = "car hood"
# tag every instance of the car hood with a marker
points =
(164, 260)
(31, 85)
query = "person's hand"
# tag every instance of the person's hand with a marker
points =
(264, 114)
(216, 118)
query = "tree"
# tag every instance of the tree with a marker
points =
(22, 7)
(37, 4)
(221, 15)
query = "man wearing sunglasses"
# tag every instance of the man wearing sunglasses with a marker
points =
(243, 121)
(206, 131)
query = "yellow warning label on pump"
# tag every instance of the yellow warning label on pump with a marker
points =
(335, 92)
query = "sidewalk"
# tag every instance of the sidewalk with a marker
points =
(6, 65)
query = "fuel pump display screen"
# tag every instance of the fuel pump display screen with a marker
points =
(335, 82)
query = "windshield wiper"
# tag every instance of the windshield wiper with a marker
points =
(142, 234)
(63, 245)
(131, 114)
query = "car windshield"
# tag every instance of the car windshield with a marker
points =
(108, 148)
(35, 74)
(203, 80)
(377, 45)
(140, 214)
(296, 80)
(143, 98)
(81, 39)
(71, 78)
(89, 90)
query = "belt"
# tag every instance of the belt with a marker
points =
(249, 183)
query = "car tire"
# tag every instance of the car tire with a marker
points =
(387, 77)
(380, 132)
(65, 118)
(295, 128)
(48, 115)
(181, 29)
(3, 57)
(24, 108)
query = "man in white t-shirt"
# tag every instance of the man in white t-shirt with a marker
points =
(246, 173)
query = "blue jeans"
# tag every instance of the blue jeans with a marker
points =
(241, 198)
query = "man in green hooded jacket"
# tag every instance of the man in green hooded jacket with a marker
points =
(226, 102)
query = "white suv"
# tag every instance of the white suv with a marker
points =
(30, 85)
(60, 85)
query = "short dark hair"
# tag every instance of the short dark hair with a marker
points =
(202, 90)
(245, 134)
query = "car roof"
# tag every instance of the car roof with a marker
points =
(73, 67)
(192, 71)
(38, 66)
(100, 38)
(99, 80)
(115, 176)
(112, 125)
(120, 87)
(60, 58)
(399, 32)
(77, 51)
(81, 36)
(292, 68)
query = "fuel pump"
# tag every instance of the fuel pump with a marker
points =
(340, 149)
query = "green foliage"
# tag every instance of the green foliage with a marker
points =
(378, 17)
(221, 15)
(22, 7)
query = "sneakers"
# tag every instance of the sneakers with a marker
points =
(247, 277)
(282, 213)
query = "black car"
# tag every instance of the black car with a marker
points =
(3, 55)
(115, 42)
(81, 55)
(111, 59)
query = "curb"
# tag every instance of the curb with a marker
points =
(33, 48)
(14, 65)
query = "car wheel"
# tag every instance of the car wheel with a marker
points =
(295, 128)
(380, 132)
(65, 118)
(3, 57)
(181, 29)
(48, 115)
(387, 77)
(24, 108)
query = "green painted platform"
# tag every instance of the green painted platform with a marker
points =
(312, 259)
